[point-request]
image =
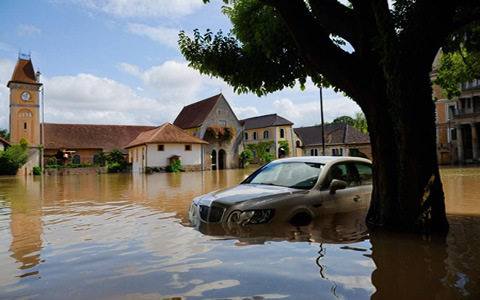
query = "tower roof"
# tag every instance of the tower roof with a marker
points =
(24, 73)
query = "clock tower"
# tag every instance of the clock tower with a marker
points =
(24, 104)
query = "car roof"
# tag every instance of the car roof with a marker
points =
(322, 159)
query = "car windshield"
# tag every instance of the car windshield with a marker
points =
(300, 175)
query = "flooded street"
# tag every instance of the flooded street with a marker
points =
(119, 236)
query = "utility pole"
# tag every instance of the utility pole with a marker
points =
(323, 124)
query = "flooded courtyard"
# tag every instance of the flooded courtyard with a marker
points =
(120, 236)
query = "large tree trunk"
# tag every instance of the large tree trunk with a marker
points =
(407, 193)
(387, 75)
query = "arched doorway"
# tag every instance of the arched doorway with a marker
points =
(213, 157)
(222, 159)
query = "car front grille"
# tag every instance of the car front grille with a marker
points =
(211, 213)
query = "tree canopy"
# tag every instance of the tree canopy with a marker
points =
(379, 53)
(457, 67)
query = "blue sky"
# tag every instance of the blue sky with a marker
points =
(117, 62)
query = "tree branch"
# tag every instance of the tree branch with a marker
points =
(335, 18)
(318, 50)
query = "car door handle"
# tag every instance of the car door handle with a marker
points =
(357, 198)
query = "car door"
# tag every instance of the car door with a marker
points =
(354, 196)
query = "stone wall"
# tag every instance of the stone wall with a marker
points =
(75, 171)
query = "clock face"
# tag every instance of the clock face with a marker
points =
(26, 96)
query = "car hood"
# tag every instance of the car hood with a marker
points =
(245, 192)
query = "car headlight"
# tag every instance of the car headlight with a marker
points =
(251, 216)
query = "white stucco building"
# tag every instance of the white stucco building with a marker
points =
(158, 148)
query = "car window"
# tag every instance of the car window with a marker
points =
(301, 175)
(343, 172)
(364, 173)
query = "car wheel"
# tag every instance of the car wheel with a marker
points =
(301, 219)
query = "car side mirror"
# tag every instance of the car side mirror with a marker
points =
(337, 185)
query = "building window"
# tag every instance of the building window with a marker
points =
(282, 133)
(76, 159)
(25, 126)
(246, 136)
(25, 114)
(255, 137)
(265, 134)
(314, 152)
(161, 147)
(254, 154)
(337, 152)
(222, 123)
(450, 111)
(96, 159)
(188, 147)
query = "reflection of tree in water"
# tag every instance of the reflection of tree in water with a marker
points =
(321, 254)
(428, 267)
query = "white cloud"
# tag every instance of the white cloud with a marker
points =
(24, 29)
(162, 35)
(142, 8)
(6, 70)
(308, 113)
(175, 82)
(245, 112)
(86, 98)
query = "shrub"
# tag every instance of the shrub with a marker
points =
(51, 161)
(246, 157)
(13, 158)
(176, 166)
(267, 157)
(114, 167)
(37, 171)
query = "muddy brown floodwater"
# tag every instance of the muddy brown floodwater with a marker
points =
(120, 236)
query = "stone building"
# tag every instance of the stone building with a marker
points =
(458, 125)
(214, 121)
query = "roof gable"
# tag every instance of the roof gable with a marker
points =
(265, 121)
(195, 114)
(166, 133)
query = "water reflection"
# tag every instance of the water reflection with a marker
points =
(126, 237)
(339, 228)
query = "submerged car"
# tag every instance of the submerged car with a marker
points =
(295, 190)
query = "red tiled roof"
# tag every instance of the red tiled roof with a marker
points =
(265, 121)
(195, 114)
(85, 136)
(4, 141)
(166, 133)
(24, 72)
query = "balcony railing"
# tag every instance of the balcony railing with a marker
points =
(467, 111)
(468, 86)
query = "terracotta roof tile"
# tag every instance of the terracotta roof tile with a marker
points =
(84, 136)
(166, 133)
(4, 141)
(265, 121)
(195, 114)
